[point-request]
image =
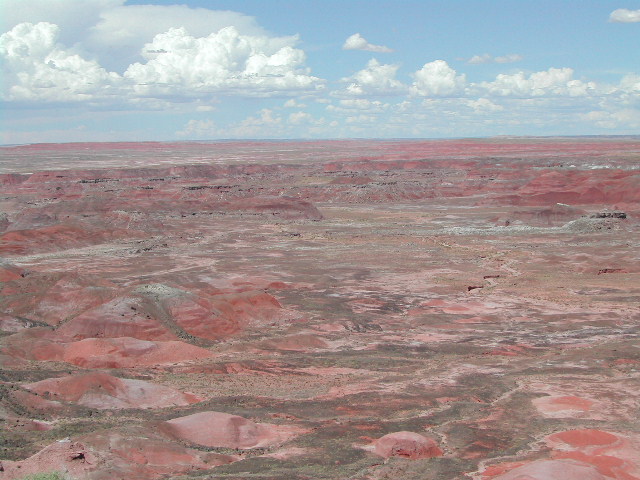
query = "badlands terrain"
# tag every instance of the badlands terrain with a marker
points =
(364, 310)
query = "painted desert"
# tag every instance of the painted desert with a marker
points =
(356, 309)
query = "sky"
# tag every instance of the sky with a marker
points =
(127, 70)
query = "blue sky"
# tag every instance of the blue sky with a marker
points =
(110, 70)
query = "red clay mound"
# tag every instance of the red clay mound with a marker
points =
(64, 455)
(580, 188)
(69, 296)
(13, 178)
(9, 362)
(351, 180)
(52, 298)
(100, 390)
(10, 272)
(256, 308)
(13, 324)
(34, 402)
(216, 429)
(250, 304)
(123, 352)
(20, 424)
(31, 344)
(143, 455)
(615, 455)
(585, 438)
(93, 308)
(406, 444)
(288, 208)
(296, 343)
(562, 404)
(127, 352)
(221, 315)
(199, 317)
(52, 238)
(121, 317)
(558, 213)
(30, 218)
(148, 455)
(553, 470)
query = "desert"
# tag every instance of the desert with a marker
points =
(339, 309)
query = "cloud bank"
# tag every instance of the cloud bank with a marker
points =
(219, 74)
(38, 69)
(223, 62)
(176, 65)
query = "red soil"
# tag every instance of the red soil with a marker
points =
(106, 455)
(52, 238)
(120, 317)
(35, 402)
(23, 425)
(60, 299)
(122, 352)
(553, 404)
(222, 315)
(129, 352)
(553, 470)
(216, 429)
(296, 343)
(87, 307)
(66, 456)
(101, 390)
(582, 188)
(583, 452)
(407, 445)
(585, 438)
(407, 292)
(288, 208)
(10, 272)
(9, 323)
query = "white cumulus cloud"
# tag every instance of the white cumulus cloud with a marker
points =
(297, 118)
(484, 105)
(293, 103)
(552, 82)
(437, 78)
(37, 68)
(358, 42)
(222, 62)
(630, 83)
(350, 105)
(375, 79)
(265, 124)
(197, 129)
(113, 33)
(179, 67)
(74, 17)
(623, 15)
(122, 31)
(625, 118)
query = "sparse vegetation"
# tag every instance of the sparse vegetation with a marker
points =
(47, 476)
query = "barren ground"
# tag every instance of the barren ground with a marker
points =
(272, 310)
